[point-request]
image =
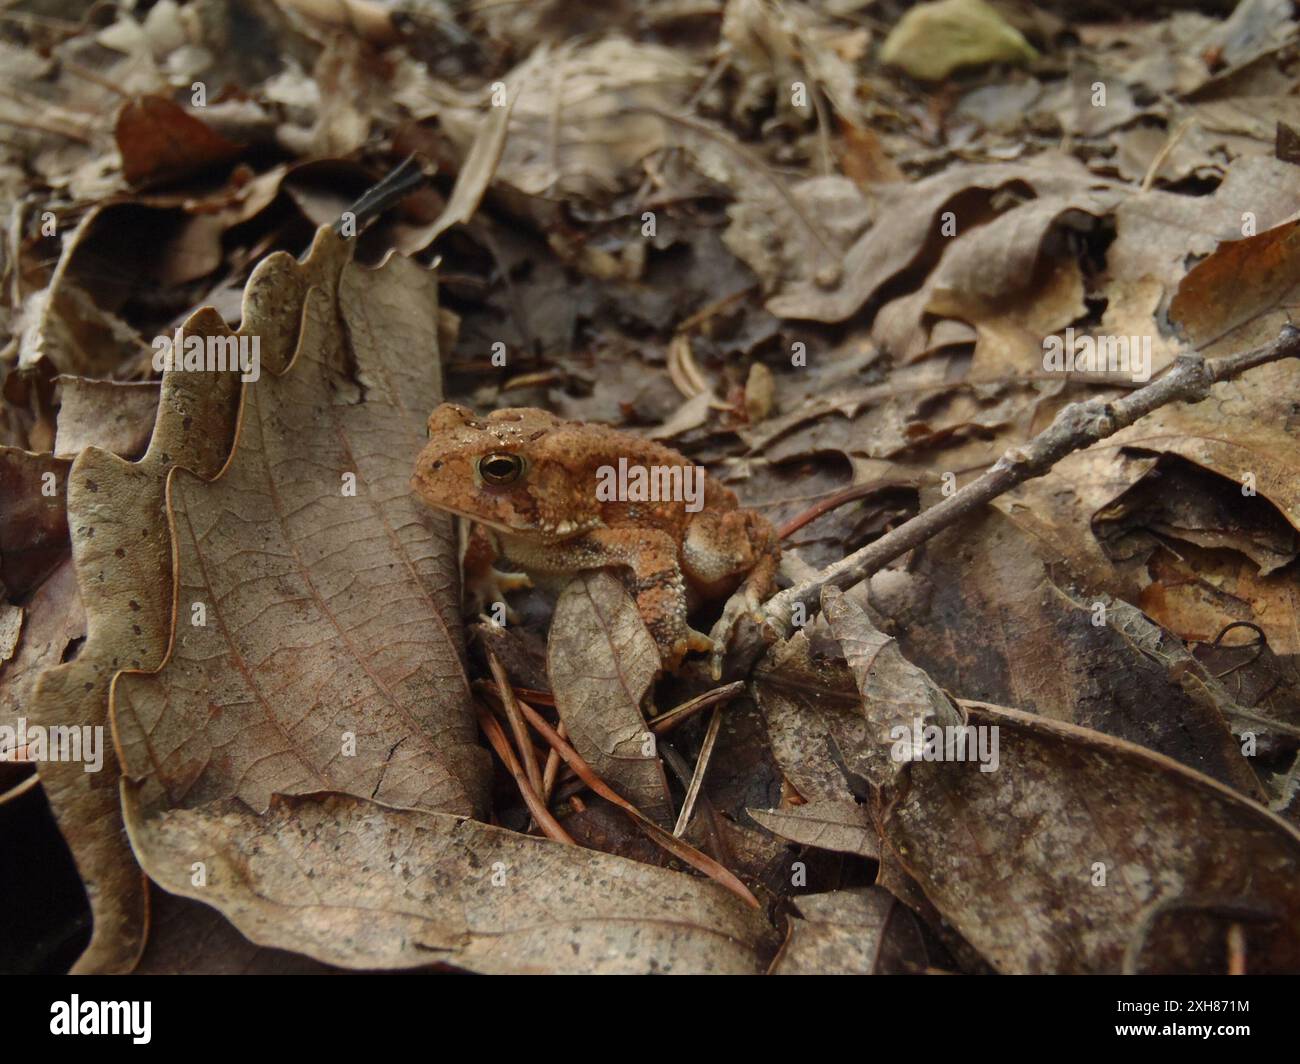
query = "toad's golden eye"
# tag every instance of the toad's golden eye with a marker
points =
(500, 469)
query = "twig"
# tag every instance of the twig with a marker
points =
(540, 813)
(697, 777)
(1077, 426)
(666, 722)
(840, 498)
(1170, 143)
(523, 741)
(552, 770)
(684, 850)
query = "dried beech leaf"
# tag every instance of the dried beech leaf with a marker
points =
(843, 826)
(111, 415)
(602, 661)
(865, 931)
(354, 883)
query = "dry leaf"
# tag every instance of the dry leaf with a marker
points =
(354, 883)
(843, 826)
(601, 662)
(865, 931)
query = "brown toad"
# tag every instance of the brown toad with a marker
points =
(557, 497)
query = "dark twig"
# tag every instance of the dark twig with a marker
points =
(1077, 426)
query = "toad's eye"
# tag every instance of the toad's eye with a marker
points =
(500, 468)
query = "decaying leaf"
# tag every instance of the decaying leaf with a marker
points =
(851, 932)
(843, 826)
(1065, 828)
(309, 567)
(601, 661)
(403, 888)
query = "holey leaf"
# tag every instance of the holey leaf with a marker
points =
(316, 644)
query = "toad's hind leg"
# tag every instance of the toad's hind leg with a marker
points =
(719, 549)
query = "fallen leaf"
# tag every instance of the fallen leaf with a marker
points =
(843, 826)
(601, 661)
(865, 931)
(403, 888)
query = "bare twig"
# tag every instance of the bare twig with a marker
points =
(1077, 426)
(523, 741)
(683, 850)
(666, 722)
(697, 777)
(532, 800)
(552, 771)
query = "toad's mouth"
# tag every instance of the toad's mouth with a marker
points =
(496, 526)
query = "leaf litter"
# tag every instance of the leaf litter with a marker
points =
(824, 252)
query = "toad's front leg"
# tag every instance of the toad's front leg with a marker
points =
(656, 583)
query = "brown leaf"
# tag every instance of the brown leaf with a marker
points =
(864, 931)
(895, 693)
(910, 231)
(601, 662)
(329, 653)
(843, 826)
(112, 415)
(581, 124)
(995, 624)
(1240, 294)
(49, 625)
(1067, 850)
(189, 938)
(160, 140)
(1009, 856)
(354, 883)
(813, 715)
(123, 560)
(33, 521)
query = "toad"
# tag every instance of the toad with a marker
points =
(556, 497)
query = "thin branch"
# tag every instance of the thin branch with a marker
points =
(1077, 426)
(523, 741)
(532, 800)
(697, 777)
(666, 722)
